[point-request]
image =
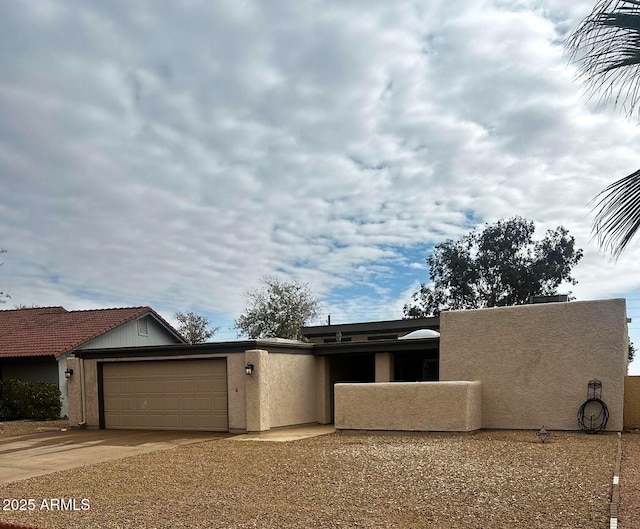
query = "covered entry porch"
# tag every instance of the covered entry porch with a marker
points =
(393, 360)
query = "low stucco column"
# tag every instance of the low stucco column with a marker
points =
(257, 391)
(236, 393)
(323, 390)
(384, 367)
(74, 393)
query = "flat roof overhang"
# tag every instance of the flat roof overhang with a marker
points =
(212, 348)
(237, 347)
(377, 346)
(390, 326)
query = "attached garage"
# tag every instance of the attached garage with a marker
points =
(165, 395)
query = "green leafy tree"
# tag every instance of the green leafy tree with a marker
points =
(498, 266)
(194, 327)
(606, 48)
(278, 309)
(632, 352)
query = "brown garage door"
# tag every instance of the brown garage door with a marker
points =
(166, 395)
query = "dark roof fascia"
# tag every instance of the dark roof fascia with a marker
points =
(28, 355)
(285, 347)
(190, 349)
(411, 324)
(372, 346)
(376, 346)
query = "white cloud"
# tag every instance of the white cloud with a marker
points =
(172, 155)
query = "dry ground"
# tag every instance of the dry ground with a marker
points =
(13, 428)
(491, 479)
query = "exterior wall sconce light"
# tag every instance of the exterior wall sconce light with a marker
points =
(248, 369)
(68, 373)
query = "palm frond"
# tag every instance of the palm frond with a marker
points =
(606, 49)
(618, 217)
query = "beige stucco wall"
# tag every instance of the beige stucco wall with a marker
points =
(257, 388)
(631, 402)
(409, 406)
(89, 373)
(534, 361)
(74, 402)
(384, 367)
(236, 389)
(323, 390)
(291, 389)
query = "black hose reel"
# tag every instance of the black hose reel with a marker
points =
(593, 415)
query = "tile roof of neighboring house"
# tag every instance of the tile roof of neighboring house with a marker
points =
(54, 330)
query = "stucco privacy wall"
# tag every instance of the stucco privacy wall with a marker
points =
(292, 389)
(534, 361)
(282, 389)
(631, 402)
(409, 406)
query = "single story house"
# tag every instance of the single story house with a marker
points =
(515, 367)
(36, 342)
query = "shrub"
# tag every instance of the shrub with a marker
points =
(31, 400)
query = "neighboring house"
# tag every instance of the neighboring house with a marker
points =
(36, 342)
(509, 367)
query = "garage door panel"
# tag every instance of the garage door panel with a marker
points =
(120, 386)
(171, 404)
(177, 395)
(172, 421)
(203, 404)
(220, 421)
(111, 387)
(156, 404)
(220, 402)
(127, 420)
(140, 387)
(200, 386)
(186, 386)
(156, 386)
(171, 386)
(187, 404)
(141, 421)
(125, 404)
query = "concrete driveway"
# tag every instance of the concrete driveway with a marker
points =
(43, 453)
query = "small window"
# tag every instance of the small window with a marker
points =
(143, 327)
(334, 340)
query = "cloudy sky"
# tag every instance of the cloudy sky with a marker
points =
(173, 153)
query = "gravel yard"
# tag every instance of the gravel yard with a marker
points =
(490, 479)
(13, 428)
(630, 482)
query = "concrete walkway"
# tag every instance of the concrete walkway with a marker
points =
(292, 433)
(31, 455)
